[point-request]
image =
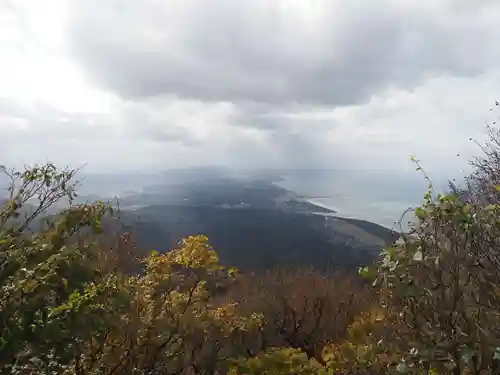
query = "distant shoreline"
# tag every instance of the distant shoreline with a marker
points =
(324, 206)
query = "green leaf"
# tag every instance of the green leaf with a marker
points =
(402, 368)
(365, 272)
(497, 353)
(418, 256)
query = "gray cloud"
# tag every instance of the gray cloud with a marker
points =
(283, 83)
(280, 52)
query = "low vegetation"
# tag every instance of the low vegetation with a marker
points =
(78, 297)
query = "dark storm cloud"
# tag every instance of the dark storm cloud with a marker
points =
(280, 52)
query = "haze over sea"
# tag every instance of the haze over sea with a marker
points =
(368, 196)
(373, 195)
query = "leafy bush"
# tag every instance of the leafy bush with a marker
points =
(77, 297)
(66, 309)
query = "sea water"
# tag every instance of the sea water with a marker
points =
(368, 196)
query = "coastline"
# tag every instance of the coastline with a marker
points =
(313, 202)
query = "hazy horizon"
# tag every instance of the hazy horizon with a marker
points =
(128, 87)
(342, 190)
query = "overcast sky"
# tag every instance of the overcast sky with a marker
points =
(123, 84)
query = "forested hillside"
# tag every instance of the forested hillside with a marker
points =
(253, 223)
(254, 239)
(79, 297)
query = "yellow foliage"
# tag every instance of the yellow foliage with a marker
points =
(364, 350)
(278, 361)
(195, 252)
(67, 308)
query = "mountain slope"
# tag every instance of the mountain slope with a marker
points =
(252, 223)
(253, 239)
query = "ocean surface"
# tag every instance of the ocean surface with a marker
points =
(363, 196)
(379, 196)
